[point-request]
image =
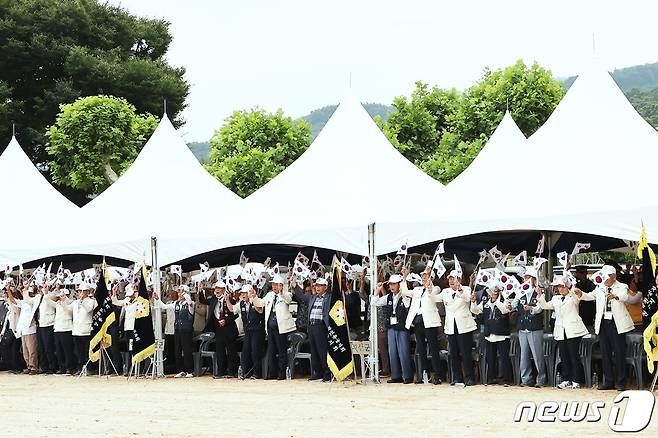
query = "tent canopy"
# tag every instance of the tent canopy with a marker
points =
(48, 213)
(350, 176)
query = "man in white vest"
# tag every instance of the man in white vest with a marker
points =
(612, 322)
(278, 323)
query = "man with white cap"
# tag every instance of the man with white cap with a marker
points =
(396, 308)
(221, 321)
(63, 331)
(128, 310)
(611, 324)
(254, 332)
(318, 324)
(530, 320)
(495, 319)
(183, 309)
(424, 316)
(83, 309)
(26, 327)
(568, 332)
(459, 302)
(45, 329)
(278, 323)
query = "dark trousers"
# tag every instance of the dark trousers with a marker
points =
(498, 353)
(382, 345)
(613, 349)
(81, 344)
(115, 352)
(317, 334)
(170, 353)
(12, 355)
(64, 349)
(572, 368)
(47, 347)
(461, 356)
(183, 351)
(252, 353)
(427, 336)
(277, 353)
(227, 354)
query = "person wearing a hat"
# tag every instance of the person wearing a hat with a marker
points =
(82, 309)
(612, 323)
(530, 321)
(568, 332)
(459, 302)
(396, 308)
(128, 308)
(45, 333)
(183, 309)
(221, 321)
(495, 316)
(254, 332)
(424, 316)
(278, 323)
(63, 331)
(318, 323)
(26, 327)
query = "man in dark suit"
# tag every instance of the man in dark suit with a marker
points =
(221, 321)
(318, 323)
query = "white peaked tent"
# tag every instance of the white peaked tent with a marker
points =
(593, 145)
(23, 185)
(497, 156)
(350, 176)
(577, 171)
(154, 197)
(164, 192)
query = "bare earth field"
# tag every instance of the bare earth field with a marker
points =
(66, 406)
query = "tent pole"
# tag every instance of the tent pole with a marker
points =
(374, 347)
(158, 369)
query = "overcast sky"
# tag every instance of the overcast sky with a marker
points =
(298, 55)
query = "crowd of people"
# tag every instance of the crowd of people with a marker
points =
(46, 328)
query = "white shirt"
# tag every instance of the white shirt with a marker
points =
(63, 316)
(47, 310)
(26, 324)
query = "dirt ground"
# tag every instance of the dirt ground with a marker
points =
(65, 406)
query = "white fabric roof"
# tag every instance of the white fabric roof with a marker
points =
(165, 191)
(504, 145)
(350, 176)
(23, 185)
(575, 175)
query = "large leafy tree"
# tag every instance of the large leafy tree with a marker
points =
(417, 124)
(56, 51)
(94, 140)
(442, 132)
(254, 146)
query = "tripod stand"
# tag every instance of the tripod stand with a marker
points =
(102, 360)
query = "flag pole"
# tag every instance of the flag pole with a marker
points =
(158, 369)
(374, 347)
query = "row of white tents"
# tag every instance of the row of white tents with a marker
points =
(587, 171)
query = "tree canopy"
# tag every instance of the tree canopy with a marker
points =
(442, 131)
(94, 140)
(54, 52)
(254, 146)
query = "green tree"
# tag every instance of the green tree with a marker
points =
(531, 94)
(94, 140)
(416, 125)
(56, 51)
(442, 131)
(254, 146)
